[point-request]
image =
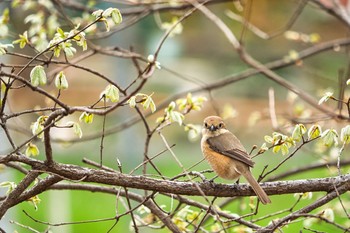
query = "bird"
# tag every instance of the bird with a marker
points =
(227, 156)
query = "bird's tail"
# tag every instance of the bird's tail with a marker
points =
(257, 188)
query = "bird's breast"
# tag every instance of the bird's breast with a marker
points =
(224, 166)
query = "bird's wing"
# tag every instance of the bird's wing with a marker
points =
(229, 145)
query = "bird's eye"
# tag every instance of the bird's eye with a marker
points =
(220, 125)
(205, 125)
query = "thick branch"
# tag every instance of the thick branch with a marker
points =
(73, 172)
(12, 198)
(307, 209)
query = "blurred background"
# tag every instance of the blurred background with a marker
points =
(198, 56)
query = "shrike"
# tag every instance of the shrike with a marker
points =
(227, 156)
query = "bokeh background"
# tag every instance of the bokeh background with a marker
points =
(200, 55)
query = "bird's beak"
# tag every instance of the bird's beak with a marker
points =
(212, 128)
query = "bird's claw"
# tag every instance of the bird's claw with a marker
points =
(211, 181)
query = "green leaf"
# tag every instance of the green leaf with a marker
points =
(8, 184)
(76, 128)
(70, 51)
(298, 132)
(325, 97)
(171, 106)
(35, 201)
(176, 30)
(314, 131)
(5, 18)
(106, 24)
(4, 30)
(32, 150)
(61, 32)
(146, 102)
(330, 137)
(160, 119)
(116, 16)
(107, 13)
(86, 117)
(177, 117)
(61, 81)
(194, 132)
(3, 87)
(38, 126)
(263, 148)
(97, 13)
(268, 139)
(111, 93)
(132, 101)
(153, 106)
(38, 76)
(3, 48)
(79, 39)
(328, 214)
(276, 149)
(23, 40)
(345, 134)
(284, 149)
(190, 103)
(149, 103)
(114, 13)
(293, 55)
(57, 51)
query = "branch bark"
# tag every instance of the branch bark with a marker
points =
(73, 172)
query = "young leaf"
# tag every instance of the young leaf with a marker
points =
(77, 130)
(284, 149)
(345, 134)
(153, 106)
(329, 137)
(38, 126)
(38, 76)
(97, 13)
(86, 117)
(23, 40)
(177, 117)
(3, 48)
(61, 32)
(132, 102)
(116, 16)
(149, 103)
(35, 200)
(268, 139)
(171, 106)
(111, 93)
(263, 148)
(325, 97)
(328, 214)
(314, 132)
(60, 81)
(10, 185)
(176, 29)
(298, 132)
(276, 149)
(32, 150)
(69, 50)
(194, 132)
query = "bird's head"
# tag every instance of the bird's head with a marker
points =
(213, 126)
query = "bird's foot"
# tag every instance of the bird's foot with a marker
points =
(211, 181)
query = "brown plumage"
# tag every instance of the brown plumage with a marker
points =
(227, 156)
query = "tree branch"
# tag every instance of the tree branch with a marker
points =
(73, 172)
